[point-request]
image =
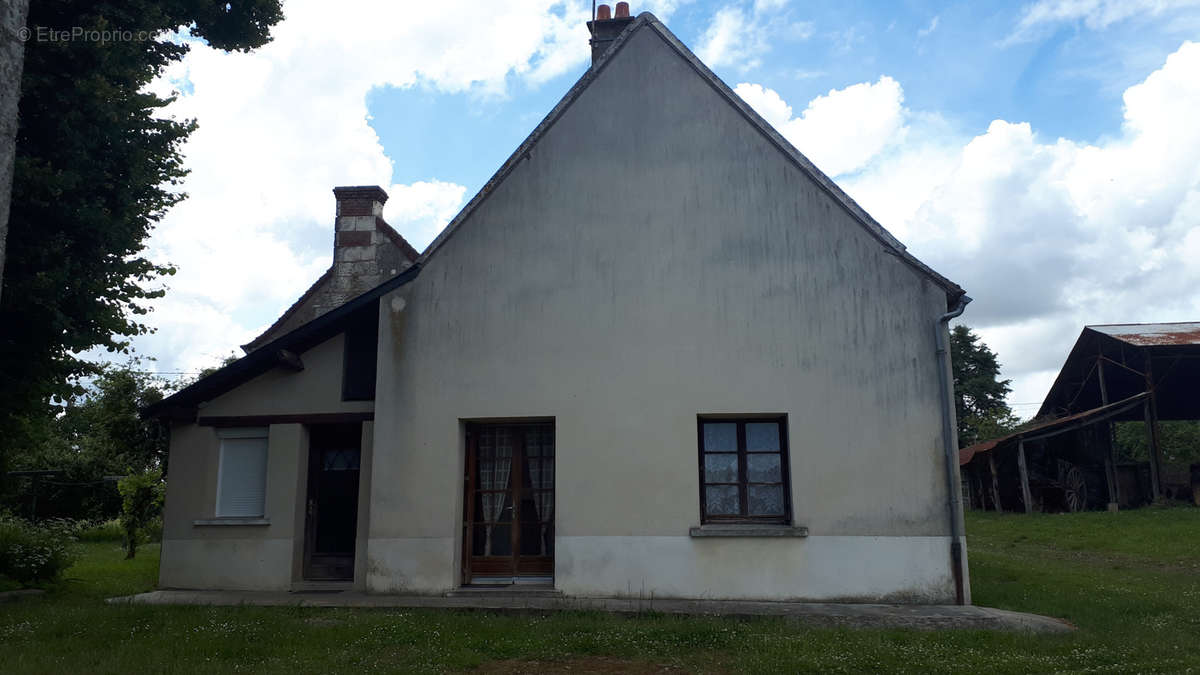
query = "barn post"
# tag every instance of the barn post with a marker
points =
(995, 479)
(1150, 411)
(1024, 477)
(1110, 448)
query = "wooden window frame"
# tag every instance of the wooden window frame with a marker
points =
(742, 482)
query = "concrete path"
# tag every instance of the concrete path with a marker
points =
(12, 596)
(923, 617)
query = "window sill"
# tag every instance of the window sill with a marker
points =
(204, 522)
(747, 530)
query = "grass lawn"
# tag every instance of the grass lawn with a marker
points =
(1130, 581)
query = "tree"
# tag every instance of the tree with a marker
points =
(12, 56)
(96, 434)
(1178, 440)
(96, 168)
(106, 424)
(979, 393)
(141, 502)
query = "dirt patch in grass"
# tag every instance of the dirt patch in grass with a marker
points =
(581, 665)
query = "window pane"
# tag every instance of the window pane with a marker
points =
(243, 477)
(340, 460)
(766, 500)
(722, 500)
(763, 468)
(721, 468)
(762, 437)
(492, 540)
(720, 437)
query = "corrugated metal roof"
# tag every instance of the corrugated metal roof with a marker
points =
(1041, 428)
(1153, 334)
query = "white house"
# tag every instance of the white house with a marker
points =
(659, 353)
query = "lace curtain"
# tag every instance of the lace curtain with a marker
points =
(539, 448)
(494, 472)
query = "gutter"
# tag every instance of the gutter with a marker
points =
(955, 502)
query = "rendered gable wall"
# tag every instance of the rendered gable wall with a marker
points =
(653, 258)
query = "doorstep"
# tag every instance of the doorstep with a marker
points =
(322, 586)
(514, 591)
(921, 617)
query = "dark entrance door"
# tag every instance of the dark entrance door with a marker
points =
(508, 532)
(332, 508)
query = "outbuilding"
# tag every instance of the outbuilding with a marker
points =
(1066, 460)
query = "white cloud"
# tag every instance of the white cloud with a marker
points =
(280, 127)
(739, 37)
(840, 131)
(761, 6)
(422, 209)
(928, 30)
(732, 39)
(1051, 235)
(1095, 14)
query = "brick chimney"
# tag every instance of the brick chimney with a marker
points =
(607, 27)
(366, 252)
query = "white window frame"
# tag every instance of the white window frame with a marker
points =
(220, 508)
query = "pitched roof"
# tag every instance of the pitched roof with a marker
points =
(1053, 427)
(287, 313)
(647, 21)
(1128, 348)
(397, 240)
(181, 404)
(1152, 334)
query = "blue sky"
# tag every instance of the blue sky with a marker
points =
(1044, 153)
(1066, 80)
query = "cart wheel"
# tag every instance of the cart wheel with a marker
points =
(1075, 493)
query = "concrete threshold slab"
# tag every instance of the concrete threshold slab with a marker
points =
(920, 617)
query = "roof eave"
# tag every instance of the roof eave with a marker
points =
(181, 405)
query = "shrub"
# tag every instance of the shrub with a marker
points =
(107, 530)
(31, 553)
(113, 531)
(153, 529)
(141, 505)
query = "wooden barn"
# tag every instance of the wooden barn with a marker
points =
(1067, 460)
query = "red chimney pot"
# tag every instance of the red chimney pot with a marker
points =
(604, 13)
(622, 10)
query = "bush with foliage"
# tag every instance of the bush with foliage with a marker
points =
(106, 530)
(100, 433)
(141, 504)
(30, 553)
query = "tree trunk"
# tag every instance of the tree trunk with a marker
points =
(13, 34)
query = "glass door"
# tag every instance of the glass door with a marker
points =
(508, 532)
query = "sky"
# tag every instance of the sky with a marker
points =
(1045, 155)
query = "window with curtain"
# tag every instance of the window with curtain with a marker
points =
(744, 470)
(242, 473)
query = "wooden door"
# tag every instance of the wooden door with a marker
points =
(508, 531)
(331, 523)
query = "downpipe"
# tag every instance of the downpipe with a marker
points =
(951, 452)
